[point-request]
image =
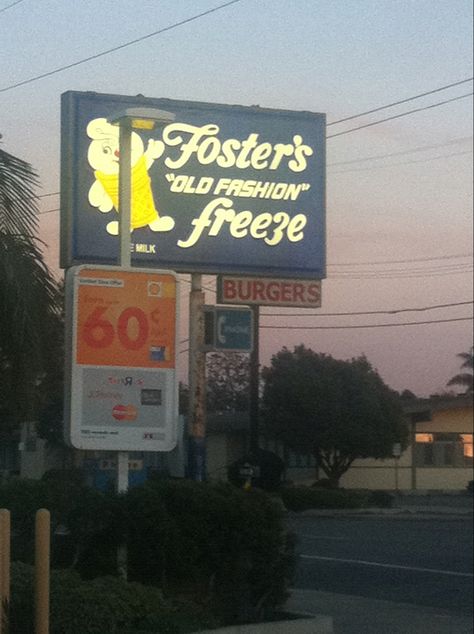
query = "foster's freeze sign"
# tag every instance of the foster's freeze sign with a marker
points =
(215, 188)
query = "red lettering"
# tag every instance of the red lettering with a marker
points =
(298, 293)
(273, 291)
(313, 292)
(228, 290)
(244, 294)
(258, 291)
(286, 294)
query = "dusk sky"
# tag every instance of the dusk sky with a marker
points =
(399, 193)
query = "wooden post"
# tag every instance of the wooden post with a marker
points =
(254, 384)
(42, 559)
(4, 569)
(197, 383)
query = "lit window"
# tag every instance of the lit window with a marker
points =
(443, 449)
(424, 438)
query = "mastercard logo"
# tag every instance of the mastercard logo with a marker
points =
(124, 412)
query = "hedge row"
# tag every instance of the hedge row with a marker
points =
(106, 604)
(303, 498)
(222, 547)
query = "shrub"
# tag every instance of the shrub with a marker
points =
(106, 604)
(226, 548)
(79, 516)
(226, 544)
(382, 499)
(303, 498)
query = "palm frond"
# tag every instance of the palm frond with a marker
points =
(18, 199)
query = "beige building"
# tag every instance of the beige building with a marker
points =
(439, 455)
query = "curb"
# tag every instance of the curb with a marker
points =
(305, 625)
(399, 513)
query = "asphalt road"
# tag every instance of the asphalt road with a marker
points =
(418, 561)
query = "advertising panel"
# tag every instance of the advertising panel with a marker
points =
(215, 188)
(121, 392)
(268, 291)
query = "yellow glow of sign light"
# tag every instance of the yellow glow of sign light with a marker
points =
(143, 124)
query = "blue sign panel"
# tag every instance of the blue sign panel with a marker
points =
(233, 329)
(215, 188)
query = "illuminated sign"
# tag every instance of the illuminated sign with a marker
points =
(121, 391)
(215, 188)
(268, 292)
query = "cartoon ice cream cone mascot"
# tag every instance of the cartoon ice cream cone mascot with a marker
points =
(104, 156)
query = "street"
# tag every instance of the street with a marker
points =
(416, 567)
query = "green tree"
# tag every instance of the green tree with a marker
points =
(465, 379)
(227, 380)
(29, 303)
(336, 410)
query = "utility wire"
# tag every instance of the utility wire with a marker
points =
(404, 275)
(401, 164)
(48, 194)
(420, 148)
(402, 114)
(407, 323)
(366, 312)
(120, 46)
(9, 6)
(397, 103)
(426, 259)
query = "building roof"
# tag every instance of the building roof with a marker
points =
(437, 403)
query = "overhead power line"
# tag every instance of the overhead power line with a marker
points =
(9, 6)
(407, 323)
(420, 148)
(400, 164)
(120, 46)
(397, 103)
(367, 312)
(426, 259)
(48, 194)
(402, 114)
(379, 275)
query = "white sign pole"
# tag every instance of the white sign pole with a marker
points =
(124, 205)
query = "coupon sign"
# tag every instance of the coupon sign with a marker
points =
(122, 388)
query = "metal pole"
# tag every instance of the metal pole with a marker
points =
(197, 383)
(254, 383)
(125, 190)
(42, 550)
(125, 212)
(4, 569)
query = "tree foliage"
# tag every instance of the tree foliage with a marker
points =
(465, 379)
(227, 379)
(29, 300)
(337, 410)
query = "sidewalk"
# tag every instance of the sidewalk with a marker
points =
(420, 506)
(419, 512)
(359, 615)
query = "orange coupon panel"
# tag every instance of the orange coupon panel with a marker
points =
(125, 318)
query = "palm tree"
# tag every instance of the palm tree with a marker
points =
(28, 292)
(465, 379)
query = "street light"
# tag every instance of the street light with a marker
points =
(127, 120)
(131, 119)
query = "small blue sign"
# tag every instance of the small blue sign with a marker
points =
(233, 329)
